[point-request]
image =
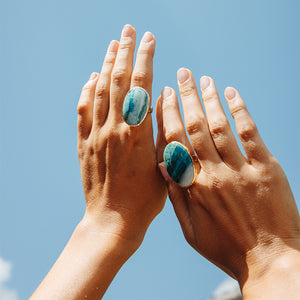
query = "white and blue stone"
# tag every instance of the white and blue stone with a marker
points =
(135, 106)
(179, 164)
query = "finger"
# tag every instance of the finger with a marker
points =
(172, 123)
(101, 103)
(219, 127)
(253, 144)
(85, 107)
(195, 120)
(161, 142)
(121, 73)
(142, 75)
(177, 198)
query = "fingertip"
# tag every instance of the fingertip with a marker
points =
(148, 37)
(113, 46)
(166, 92)
(93, 77)
(90, 83)
(183, 69)
(183, 75)
(230, 93)
(128, 31)
(205, 82)
(129, 25)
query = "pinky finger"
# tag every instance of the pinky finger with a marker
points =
(252, 142)
(85, 107)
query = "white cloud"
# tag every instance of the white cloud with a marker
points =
(5, 275)
(227, 286)
(227, 290)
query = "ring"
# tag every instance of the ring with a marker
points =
(180, 164)
(136, 106)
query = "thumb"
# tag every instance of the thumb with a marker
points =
(178, 200)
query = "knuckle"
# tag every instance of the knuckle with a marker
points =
(169, 105)
(146, 51)
(173, 134)
(125, 45)
(215, 184)
(124, 132)
(119, 77)
(186, 91)
(140, 78)
(247, 131)
(113, 135)
(96, 146)
(194, 126)
(82, 108)
(237, 110)
(210, 97)
(101, 92)
(109, 59)
(85, 151)
(218, 128)
(80, 152)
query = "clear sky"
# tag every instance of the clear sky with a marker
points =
(48, 50)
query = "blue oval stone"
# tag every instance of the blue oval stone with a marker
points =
(136, 106)
(179, 164)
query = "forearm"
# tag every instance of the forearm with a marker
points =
(280, 280)
(86, 266)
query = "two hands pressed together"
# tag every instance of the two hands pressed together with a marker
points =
(239, 213)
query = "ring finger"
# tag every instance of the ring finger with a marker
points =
(219, 127)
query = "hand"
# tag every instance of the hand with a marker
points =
(240, 212)
(123, 187)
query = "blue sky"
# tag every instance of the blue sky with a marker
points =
(48, 50)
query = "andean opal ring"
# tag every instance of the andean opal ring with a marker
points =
(180, 164)
(136, 106)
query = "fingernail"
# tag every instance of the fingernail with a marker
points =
(204, 82)
(182, 75)
(127, 31)
(230, 93)
(163, 171)
(113, 46)
(93, 76)
(166, 92)
(148, 37)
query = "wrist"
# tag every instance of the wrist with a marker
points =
(88, 264)
(277, 276)
(110, 234)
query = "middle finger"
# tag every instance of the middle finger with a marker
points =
(121, 74)
(195, 120)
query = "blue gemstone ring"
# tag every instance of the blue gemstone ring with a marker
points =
(180, 164)
(136, 106)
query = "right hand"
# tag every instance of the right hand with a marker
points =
(123, 187)
(240, 212)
